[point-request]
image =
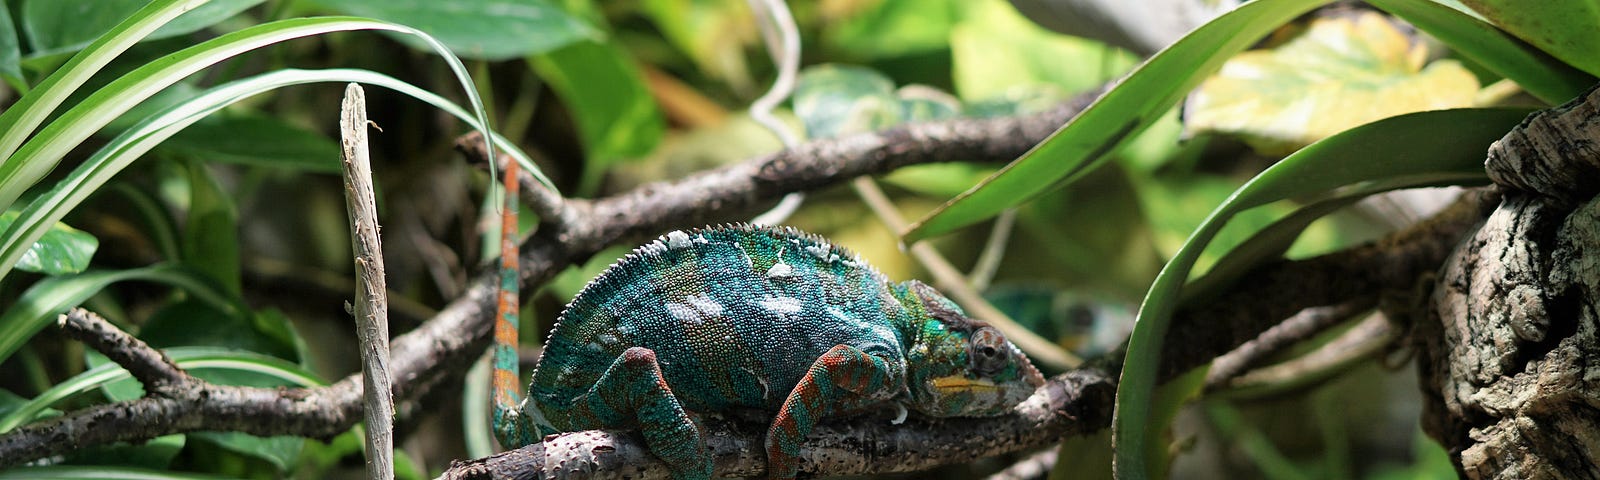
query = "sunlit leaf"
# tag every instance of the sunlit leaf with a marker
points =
(833, 100)
(1121, 113)
(984, 43)
(1340, 72)
(1545, 77)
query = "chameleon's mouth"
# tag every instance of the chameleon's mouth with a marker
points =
(962, 383)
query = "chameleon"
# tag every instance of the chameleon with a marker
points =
(748, 317)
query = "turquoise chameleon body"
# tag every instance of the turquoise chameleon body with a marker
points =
(747, 317)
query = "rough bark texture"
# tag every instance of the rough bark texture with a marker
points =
(1511, 341)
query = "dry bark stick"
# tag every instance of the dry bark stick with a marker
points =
(371, 306)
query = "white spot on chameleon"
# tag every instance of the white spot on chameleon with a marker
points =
(820, 251)
(781, 304)
(780, 270)
(684, 313)
(701, 239)
(677, 239)
(899, 414)
(625, 329)
(878, 330)
(708, 308)
(653, 248)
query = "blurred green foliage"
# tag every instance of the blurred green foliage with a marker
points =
(235, 227)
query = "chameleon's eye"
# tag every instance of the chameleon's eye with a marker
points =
(988, 351)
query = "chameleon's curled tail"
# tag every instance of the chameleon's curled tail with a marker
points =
(511, 428)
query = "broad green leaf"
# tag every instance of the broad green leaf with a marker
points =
(62, 249)
(19, 120)
(616, 115)
(1414, 149)
(1540, 74)
(1121, 113)
(834, 100)
(1338, 73)
(194, 359)
(1567, 29)
(479, 29)
(40, 304)
(257, 140)
(10, 48)
(55, 26)
(1174, 208)
(98, 473)
(985, 42)
(211, 234)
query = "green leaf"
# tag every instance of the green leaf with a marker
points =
(713, 33)
(62, 249)
(1134, 104)
(57, 26)
(985, 42)
(1545, 77)
(211, 234)
(834, 100)
(197, 324)
(479, 29)
(1415, 149)
(1338, 73)
(257, 140)
(193, 359)
(282, 451)
(40, 304)
(616, 115)
(898, 28)
(1567, 29)
(20, 119)
(10, 48)
(41, 153)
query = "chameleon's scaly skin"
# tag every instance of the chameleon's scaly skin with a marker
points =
(767, 318)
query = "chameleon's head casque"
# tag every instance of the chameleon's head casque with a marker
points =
(958, 366)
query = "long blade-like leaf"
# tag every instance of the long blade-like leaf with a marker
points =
(1415, 149)
(21, 118)
(39, 305)
(49, 208)
(41, 154)
(1540, 74)
(1084, 143)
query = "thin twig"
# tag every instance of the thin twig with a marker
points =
(1362, 341)
(371, 306)
(1301, 326)
(149, 366)
(782, 38)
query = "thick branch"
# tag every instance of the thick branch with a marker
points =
(147, 365)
